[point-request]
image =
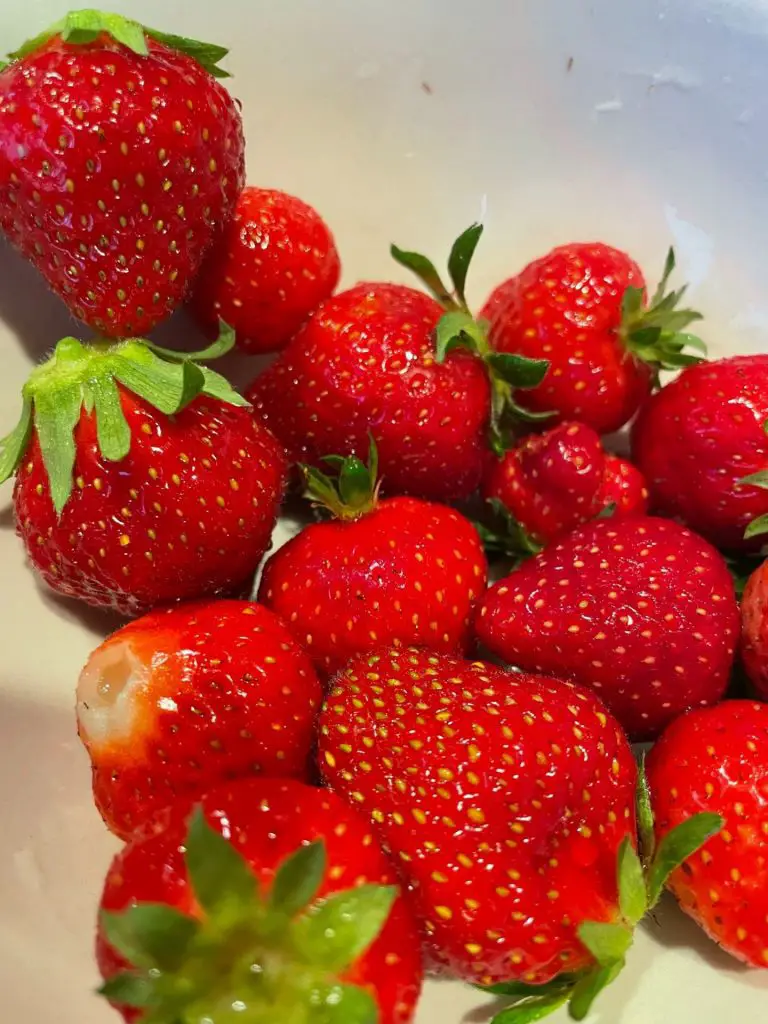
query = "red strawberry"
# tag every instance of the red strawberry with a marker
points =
(120, 156)
(702, 445)
(583, 307)
(293, 915)
(181, 699)
(176, 488)
(555, 481)
(717, 761)
(641, 609)
(754, 629)
(275, 263)
(397, 571)
(415, 372)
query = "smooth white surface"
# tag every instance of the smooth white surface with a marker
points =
(405, 121)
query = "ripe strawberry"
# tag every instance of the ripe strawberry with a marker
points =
(182, 698)
(275, 263)
(176, 486)
(641, 609)
(415, 372)
(583, 307)
(716, 760)
(120, 157)
(702, 445)
(398, 571)
(754, 629)
(293, 915)
(507, 800)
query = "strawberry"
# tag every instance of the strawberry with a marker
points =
(415, 372)
(641, 609)
(120, 156)
(716, 760)
(140, 479)
(701, 443)
(583, 307)
(275, 263)
(274, 904)
(395, 571)
(183, 698)
(754, 629)
(555, 481)
(507, 800)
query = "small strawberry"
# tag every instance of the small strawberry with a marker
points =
(414, 371)
(716, 760)
(507, 800)
(120, 157)
(182, 698)
(641, 609)
(274, 904)
(397, 571)
(754, 629)
(701, 443)
(275, 263)
(583, 307)
(140, 479)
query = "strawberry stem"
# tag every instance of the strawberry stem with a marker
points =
(353, 492)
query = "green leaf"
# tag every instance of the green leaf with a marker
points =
(112, 430)
(528, 415)
(128, 989)
(220, 877)
(13, 446)
(606, 942)
(426, 272)
(645, 814)
(354, 482)
(589, 988)
(669, 266)
(633, 899)
(607, 511)
(677, 846)
(460, 258)
(192, 384)
(343, 1004)
(164, 385)
(298, 878)
(533, 1009)
(756, 527)
(85, 26)
(632, 302)
(756, 479)
(56, 416)
(150, 935)
(522, 990)
(216, 386)
(207, 55)
(518, 371)
(457, 328)
(338, 930)
(223, 344)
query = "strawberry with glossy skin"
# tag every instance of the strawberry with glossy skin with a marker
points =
(641, 609)
(275, 874)
(182, 698)
(583, 307)
(394, 571)
(140, 477)
(120, 157)
(275, 263)
(702, 445)
(716, 760)
(754, 629)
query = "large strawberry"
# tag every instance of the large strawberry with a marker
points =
(583, 307)
(120, 157)
(182, 698)
(416, 372)
(641, 609)
(275, 262)
(140, 477)
(716, 760)
(274, 904)
(507, 800)
(396, 571)
(701, 443)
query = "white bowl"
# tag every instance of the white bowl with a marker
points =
(639, 122)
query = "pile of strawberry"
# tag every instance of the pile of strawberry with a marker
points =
(321, 790)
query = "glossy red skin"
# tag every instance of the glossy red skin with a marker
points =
(407, 573)
(566, 307)
(754, 629)
(504, 797)
(365, 362)
(641, 609)
(717, 760)
(76, 119)
(268, 819)
(555, 481)
(276, 262)
(228, 692)
(151, 529)
(698, 437)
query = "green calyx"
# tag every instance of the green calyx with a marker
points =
(656, 332)
(640, 883)
(81, 27)
(353, 492)
(458, 328)
(81, 377)
(250, 957)
(504, 535)
(759, 525)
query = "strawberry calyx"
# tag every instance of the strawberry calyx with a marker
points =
(248, 955)
(81, 377)
(353, 492)
(506, 535)
(79, 28)
(458, 328)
